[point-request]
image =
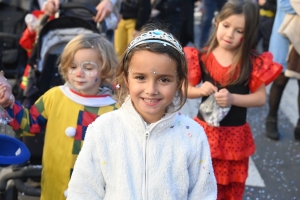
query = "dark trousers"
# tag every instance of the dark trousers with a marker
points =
(265, 31)
(209, 8)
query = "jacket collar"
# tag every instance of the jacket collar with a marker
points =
(168, 121)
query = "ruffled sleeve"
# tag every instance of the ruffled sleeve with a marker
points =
(264, 71)
(194, 71)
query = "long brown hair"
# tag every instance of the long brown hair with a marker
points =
(241, 66)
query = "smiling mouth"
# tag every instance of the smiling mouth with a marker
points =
(151, 100)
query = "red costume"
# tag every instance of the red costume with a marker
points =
(231, 143)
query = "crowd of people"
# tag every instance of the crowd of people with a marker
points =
(122, 97)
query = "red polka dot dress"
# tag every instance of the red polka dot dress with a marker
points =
(231, 143)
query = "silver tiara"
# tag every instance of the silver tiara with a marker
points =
(155, 36)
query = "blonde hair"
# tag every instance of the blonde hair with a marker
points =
(94, 41)
(181, 68)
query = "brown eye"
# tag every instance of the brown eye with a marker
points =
(140, 77)
(164, 80)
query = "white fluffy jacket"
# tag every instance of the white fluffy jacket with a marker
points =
(124, 159)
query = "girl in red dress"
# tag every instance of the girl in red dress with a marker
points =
(231, 70)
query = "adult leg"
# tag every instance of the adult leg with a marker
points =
(130, 27)
(293, 69)
(266, 31)
(174, 20)
(274, 102)
(297, 129)
(206, 20)
(120, 40)
(258, 37)
(220, 4)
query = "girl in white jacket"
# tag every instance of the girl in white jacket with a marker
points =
(146, 149)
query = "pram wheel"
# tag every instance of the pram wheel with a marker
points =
(11, 191)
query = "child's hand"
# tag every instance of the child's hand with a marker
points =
(51, 7)
(104, 8)
(207, 88)
(6, 97)
(224, 98)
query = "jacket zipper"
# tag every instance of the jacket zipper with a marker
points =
(146, 166)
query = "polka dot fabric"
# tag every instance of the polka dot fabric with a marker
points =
(191, 55)
(229, 142)
(232, 191)
(229, 171)
(230, 150)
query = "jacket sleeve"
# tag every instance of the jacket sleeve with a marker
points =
(193, 65)
(285, 6)
(87, 181)
(202, 179)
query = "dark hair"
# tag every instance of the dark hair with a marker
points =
(122, 70)
(241, 67)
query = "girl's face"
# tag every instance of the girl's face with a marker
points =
(152, 83)
(230, 32)
(84, 73)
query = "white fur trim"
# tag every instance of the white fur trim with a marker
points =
(70, 131)
(292, 74)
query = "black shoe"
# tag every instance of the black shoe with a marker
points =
(297, 132)
(271, 127)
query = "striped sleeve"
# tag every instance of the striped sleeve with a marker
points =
(28, 122)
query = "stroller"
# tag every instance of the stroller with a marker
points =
(52, 38)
